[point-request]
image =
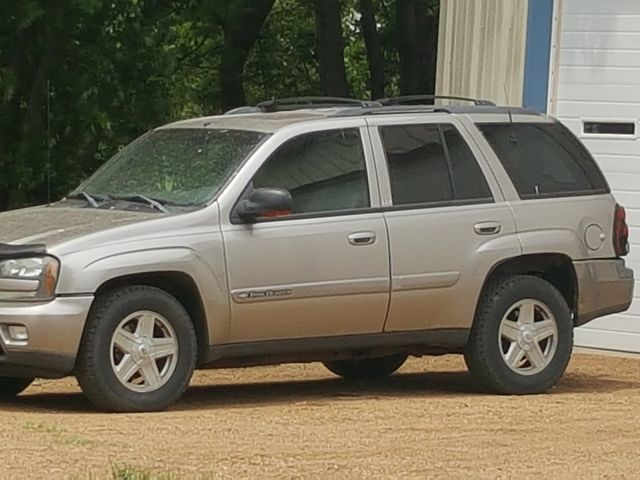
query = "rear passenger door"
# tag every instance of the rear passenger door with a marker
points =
(447, 220)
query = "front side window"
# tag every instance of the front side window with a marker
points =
(544, 159)
(432, 164)
(182, 167)
(324, 171)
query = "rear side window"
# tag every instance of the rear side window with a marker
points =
(467, 179)
(544, 160)
(432, 164)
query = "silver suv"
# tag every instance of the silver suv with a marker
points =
(350, 233)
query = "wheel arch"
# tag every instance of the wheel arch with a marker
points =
(178, 284)
(555, 268)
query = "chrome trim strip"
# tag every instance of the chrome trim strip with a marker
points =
(310, 290)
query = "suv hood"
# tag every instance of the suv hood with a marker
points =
(52, 225)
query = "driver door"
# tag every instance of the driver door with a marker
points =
(322, 270)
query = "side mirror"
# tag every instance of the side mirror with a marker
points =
(265, 202)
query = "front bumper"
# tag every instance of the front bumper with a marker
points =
(604, 287)
(54, 332)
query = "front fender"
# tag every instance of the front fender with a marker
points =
(80, 279)
(86, 273)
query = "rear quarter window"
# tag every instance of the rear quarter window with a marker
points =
(544, 159)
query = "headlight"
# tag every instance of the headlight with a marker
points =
(22, 268)
(24, 279)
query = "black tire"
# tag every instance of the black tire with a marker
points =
(367, 368)
(93, 367)
(484, 351)
(11, 387)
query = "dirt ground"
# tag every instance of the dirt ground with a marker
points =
(428, 421)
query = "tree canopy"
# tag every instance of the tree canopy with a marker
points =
(81, 78)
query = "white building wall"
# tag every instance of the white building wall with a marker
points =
(596, 76)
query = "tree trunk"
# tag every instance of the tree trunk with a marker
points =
(330, 48)
(417, 37)
(241, 25)
(374, 48)
(24, 142)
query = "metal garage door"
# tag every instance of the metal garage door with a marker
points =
(595, 91)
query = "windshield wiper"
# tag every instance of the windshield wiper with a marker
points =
(137, 197)
(91, 200)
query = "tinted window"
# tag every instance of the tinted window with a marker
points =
(468, 180)
(431, 164)
(544, 159)
(324, 171)
(417, 164)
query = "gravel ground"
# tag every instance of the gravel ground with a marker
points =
(428, 421)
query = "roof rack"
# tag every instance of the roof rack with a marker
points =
(388, 110)
(423, 99)
(297, 103)
(349, 107)
(300, 103)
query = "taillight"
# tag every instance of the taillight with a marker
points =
(620, 232)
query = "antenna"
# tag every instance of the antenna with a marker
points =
(512, 134)
(48, 166)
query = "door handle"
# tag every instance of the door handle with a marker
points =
(362, 238)
(487, 228)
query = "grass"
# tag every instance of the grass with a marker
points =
(117, 471)
(58, 432)
(42, 427)
(127, 472)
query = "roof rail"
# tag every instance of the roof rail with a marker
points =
(297, 103)
(245, 109)
(423, 99)
(389, 110)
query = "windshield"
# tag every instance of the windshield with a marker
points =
(182, 167)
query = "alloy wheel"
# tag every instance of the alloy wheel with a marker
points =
(528, 337)
(144, 351)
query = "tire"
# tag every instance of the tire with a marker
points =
(145, 334)
(366, 368)
(515, 314)
(11, 387)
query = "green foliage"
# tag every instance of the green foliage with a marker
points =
(283, 61)
(79, 79)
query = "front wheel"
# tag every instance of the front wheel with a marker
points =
(522, 336)
(11, 387)
(138, 351)
(366, 368)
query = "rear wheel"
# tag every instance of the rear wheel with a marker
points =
(367, 368)
(522, 337)
(10, 387)
(138, 351)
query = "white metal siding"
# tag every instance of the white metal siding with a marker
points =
(596, 76)
(481, 49)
